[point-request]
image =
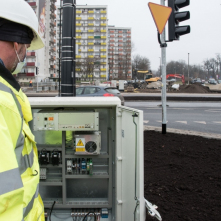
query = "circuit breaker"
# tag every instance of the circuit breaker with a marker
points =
(91, 159)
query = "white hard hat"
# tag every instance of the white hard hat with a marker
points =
(19, 11)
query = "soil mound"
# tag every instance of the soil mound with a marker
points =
(194, 88)
(182, 176)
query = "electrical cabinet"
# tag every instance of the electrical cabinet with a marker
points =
(91, 158)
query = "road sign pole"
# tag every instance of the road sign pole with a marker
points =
(163, 69)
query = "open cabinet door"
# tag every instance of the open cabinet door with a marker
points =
(130, 165)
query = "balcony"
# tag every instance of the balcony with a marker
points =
(78, 56)
(120, 40)
(29, 54)
(79, 50)
(128, 32)
(97, 30)
(78, 43)
(103, 31)
(78, 24)
(78, 12)
(78, 18)
(120, 32)
(32, 4)
(120, 45)
(30, 64)
(103, 11)
(78, 30)
(103, 50)
(90, 56)
(90, 24)
(111, 40)
(103, 69)
(90, 43)
(97, 37)
(112, 36)
(52, 66)
(91, 37)
(111, 31)
(103, 24)
(103, 75)
(78, 37)
(90, 18)
(103, 56)
(30, 74)
(120, 49)
(103, 62)
(90, 30)
(90, 50)
(97, 43)
(128, 36)
(77, 69)
(91, 12)
(103, 37)
(53, 15)
(103, 18)
(120, 36)
(103, 43)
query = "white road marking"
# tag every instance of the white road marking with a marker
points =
(146, 121)
(214, 110)
(200, 122)
(217, 122)
(160, 121)
(182, 122)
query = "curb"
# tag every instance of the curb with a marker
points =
(185, 132)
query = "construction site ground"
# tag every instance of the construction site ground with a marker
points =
(182, 174)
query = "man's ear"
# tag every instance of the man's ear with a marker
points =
(15, 45)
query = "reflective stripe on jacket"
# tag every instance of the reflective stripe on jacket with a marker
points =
(19, 167)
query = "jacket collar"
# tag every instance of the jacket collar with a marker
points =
(6, 74)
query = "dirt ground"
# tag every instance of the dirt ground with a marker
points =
(182, 176)
(192, 88)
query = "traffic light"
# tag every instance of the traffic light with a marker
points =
(174, 30)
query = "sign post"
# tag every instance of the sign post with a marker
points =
(161, 14)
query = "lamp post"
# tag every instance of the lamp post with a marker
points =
(188, 69)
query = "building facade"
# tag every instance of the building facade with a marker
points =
(119, 53)
(41, 64)
(91, 38)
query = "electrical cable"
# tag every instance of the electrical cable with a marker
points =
(135, 189)
(84, 219)
(52, 210)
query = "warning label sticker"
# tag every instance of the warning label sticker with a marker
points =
(80, 142)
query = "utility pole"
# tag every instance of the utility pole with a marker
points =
(188, 70)
(164, 96)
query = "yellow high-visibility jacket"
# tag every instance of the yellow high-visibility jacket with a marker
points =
(19, 167)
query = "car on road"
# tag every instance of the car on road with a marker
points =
(212, 81)
(98, 91)
(219, 81)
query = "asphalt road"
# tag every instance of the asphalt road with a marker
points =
(196, 116)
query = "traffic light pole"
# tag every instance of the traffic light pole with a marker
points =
(163, 46)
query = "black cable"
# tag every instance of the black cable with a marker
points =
(84, 219)
(52, 210)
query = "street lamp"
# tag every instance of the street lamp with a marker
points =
(188, 69)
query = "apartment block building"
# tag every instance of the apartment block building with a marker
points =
(119, 52)
(91, 38)
(42, 62)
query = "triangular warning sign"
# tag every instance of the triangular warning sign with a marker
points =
(160, 15)
(80, 143)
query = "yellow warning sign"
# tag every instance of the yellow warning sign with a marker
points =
(160, 15)
(80, 149)
(80, 143)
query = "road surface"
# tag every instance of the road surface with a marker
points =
(196, 116)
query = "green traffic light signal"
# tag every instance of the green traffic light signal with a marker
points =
(174, 30)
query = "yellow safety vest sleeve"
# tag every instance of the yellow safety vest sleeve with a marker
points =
(19, 168)
(11, 186)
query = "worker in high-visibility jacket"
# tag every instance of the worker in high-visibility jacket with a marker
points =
(19, 167)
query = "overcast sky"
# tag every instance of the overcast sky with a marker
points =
(203, 42)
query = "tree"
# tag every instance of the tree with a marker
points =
(140, 63)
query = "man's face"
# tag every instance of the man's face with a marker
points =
(21, 51)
